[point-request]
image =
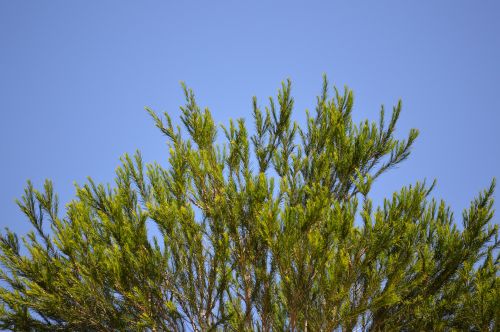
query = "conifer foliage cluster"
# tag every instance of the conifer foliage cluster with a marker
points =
(273, 230)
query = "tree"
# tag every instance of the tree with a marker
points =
(269, 231)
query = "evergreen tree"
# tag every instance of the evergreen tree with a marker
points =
(269, 231)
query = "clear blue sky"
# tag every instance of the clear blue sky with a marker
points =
(75, 77)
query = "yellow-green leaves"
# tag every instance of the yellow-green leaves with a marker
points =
(260, 230)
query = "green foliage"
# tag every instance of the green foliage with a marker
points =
(273, 230)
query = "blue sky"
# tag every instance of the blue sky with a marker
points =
(75, 78)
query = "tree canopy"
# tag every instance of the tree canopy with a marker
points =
(271, 230)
